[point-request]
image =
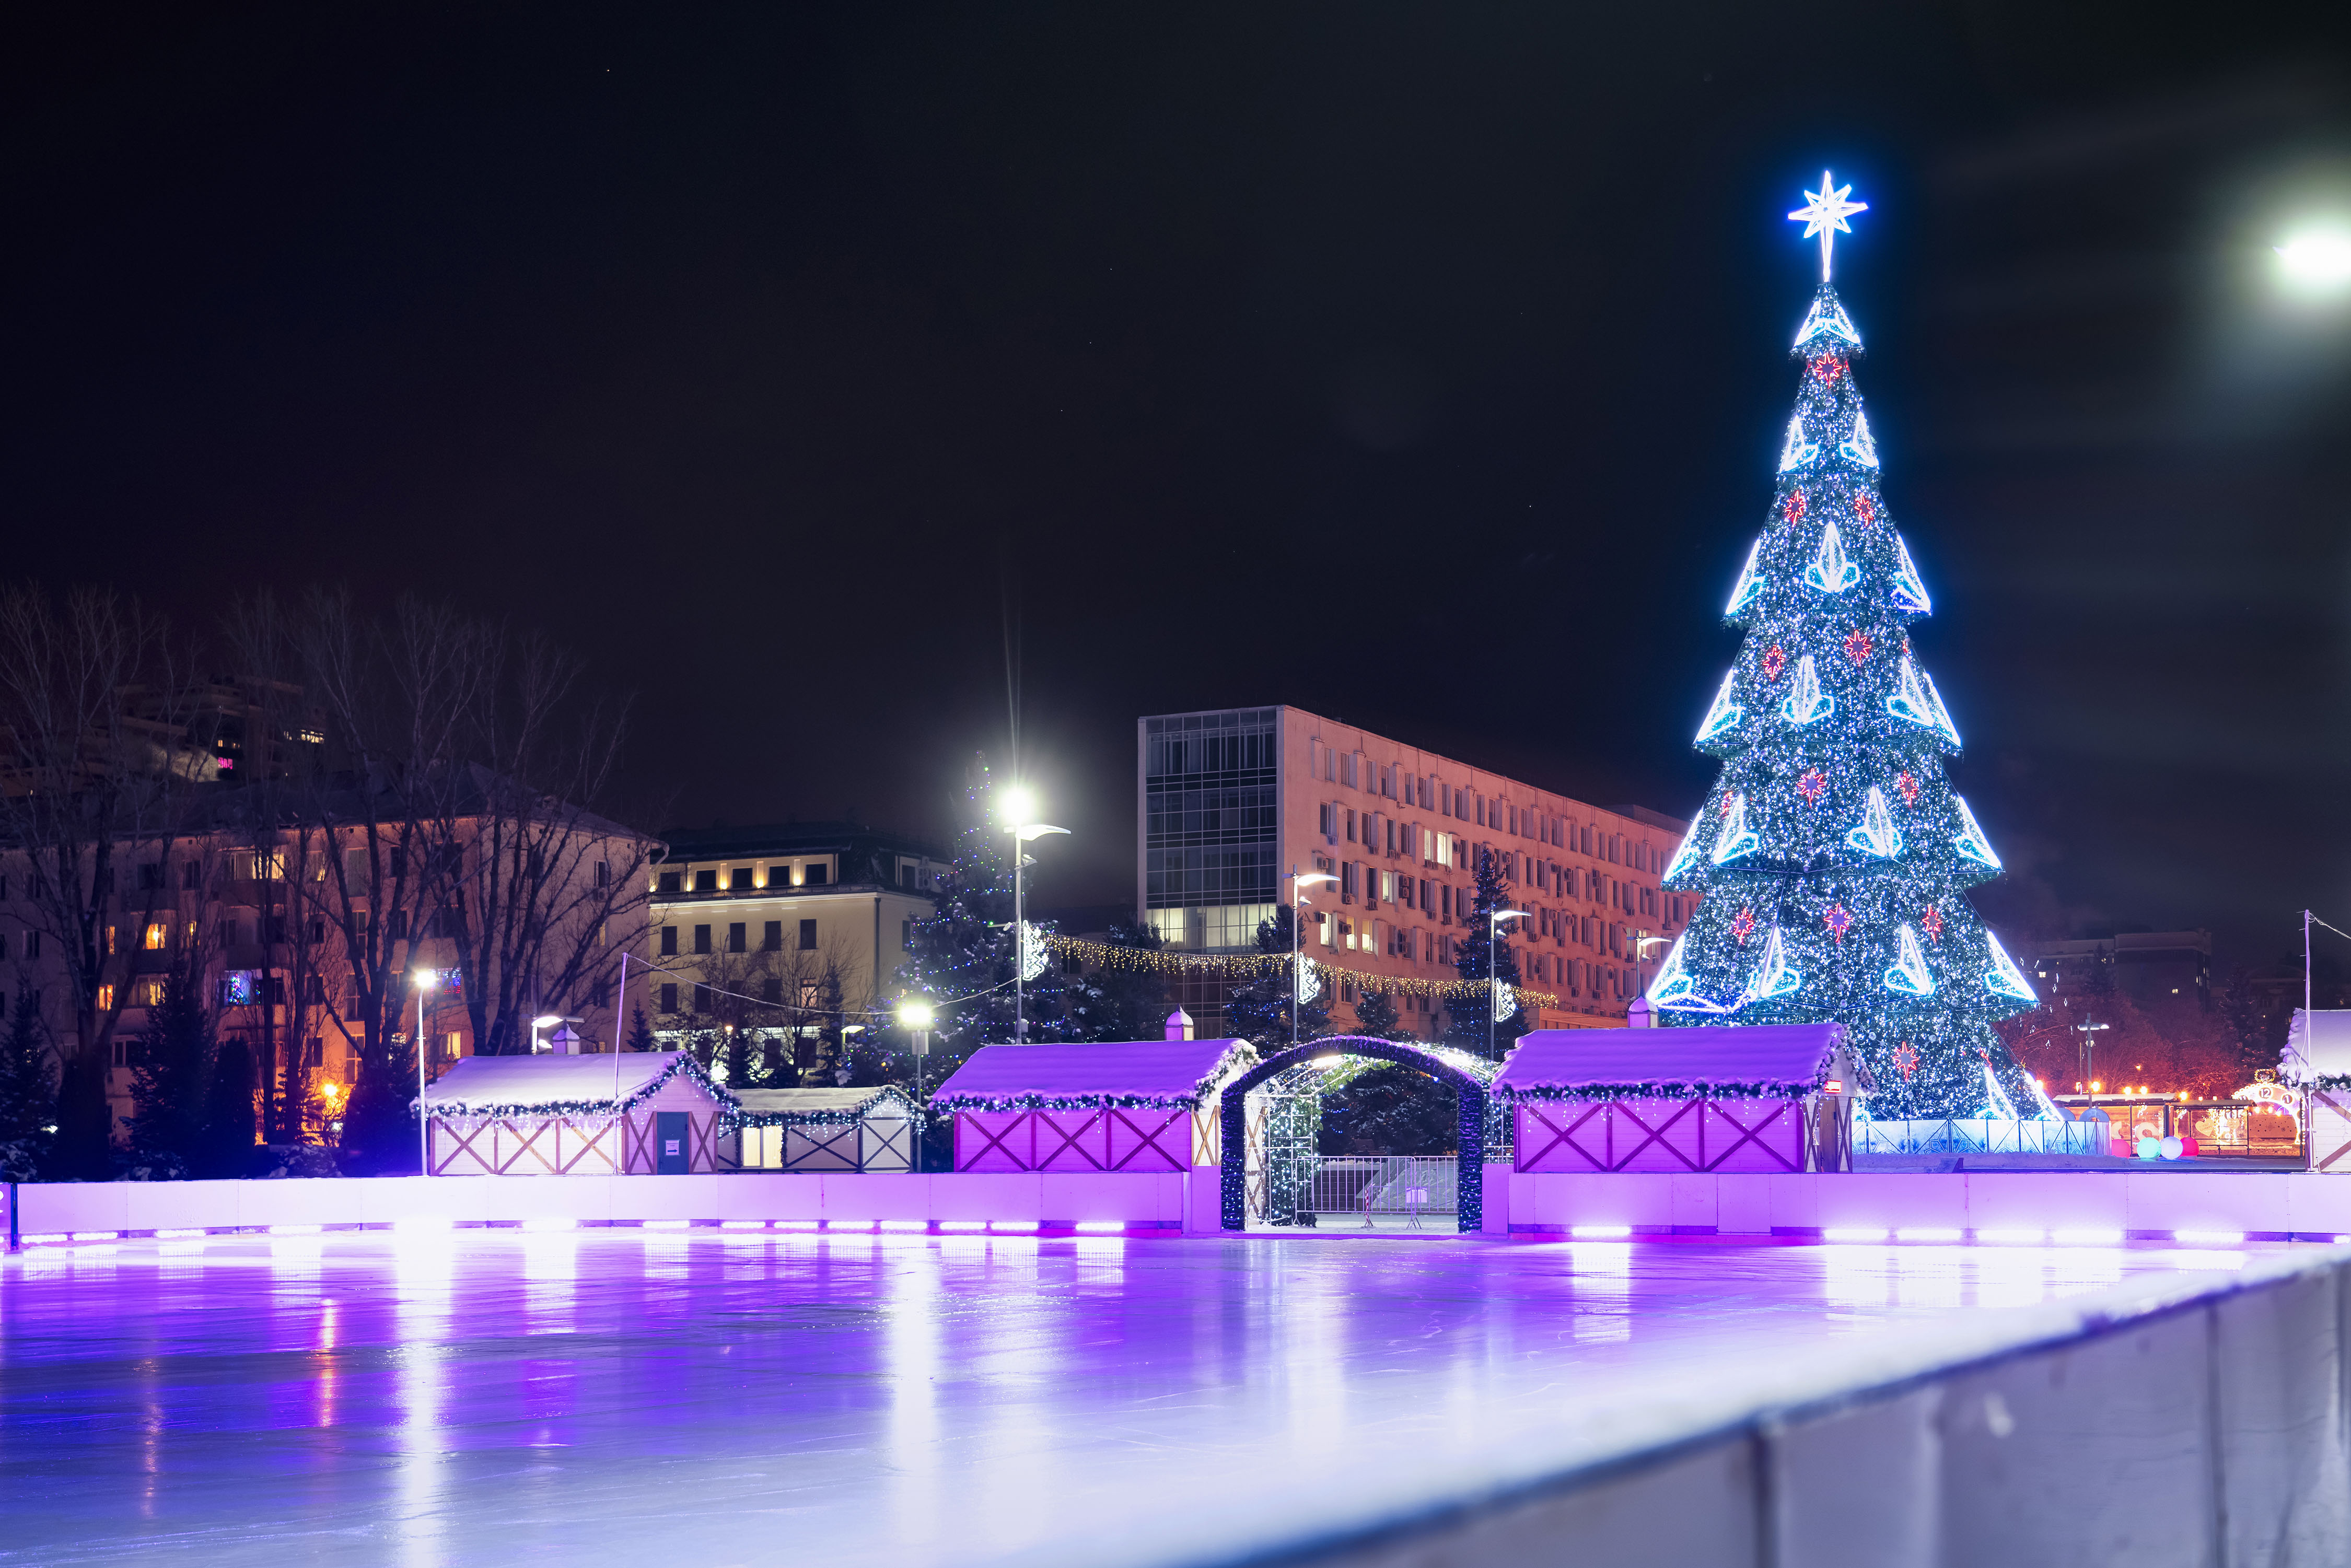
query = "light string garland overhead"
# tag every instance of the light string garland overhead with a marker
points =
(1247, 966)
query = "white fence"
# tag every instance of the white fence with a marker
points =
(1365, 1188)
(2189, 1419)
(1952, 1136)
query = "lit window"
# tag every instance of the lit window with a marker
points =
(105, 998)
(157, 934)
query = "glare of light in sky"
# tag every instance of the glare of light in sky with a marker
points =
(2317, 260)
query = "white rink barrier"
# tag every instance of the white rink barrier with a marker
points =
(2194, 1419)
(96, 1211)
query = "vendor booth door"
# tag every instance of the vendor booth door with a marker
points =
(671, 1157)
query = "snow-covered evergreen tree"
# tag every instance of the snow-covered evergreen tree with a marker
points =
(1832, 853)
(1466, 1012)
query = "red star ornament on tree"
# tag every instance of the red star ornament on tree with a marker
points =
(1811, 785)
(1828, 367)
(1838, 921)
(1905, 1057)
(1858, 647)
(1742, 926)
(1866, 509)
(1931, 922)
(1774, 661)
(1795, 506)
(1908, 785)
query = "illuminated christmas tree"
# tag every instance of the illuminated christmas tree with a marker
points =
(1832, 853)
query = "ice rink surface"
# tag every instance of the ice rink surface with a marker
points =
(710, 1397)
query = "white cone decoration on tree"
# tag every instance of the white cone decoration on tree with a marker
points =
(1806, 701)
(1725, 711)
(1798, 453)
(1831, 858)
(1860, 449)
(1909, 589)
(1908, 974)
(1772, 977)
(1750, 583)
(1830, 572)
(1909, 699)
(1878, 835)
(1734, 840)
(1827, 318)
(1998, 1106)
(1970, 842)
(2004, 978)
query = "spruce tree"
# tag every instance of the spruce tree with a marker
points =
(1120, 1001)
(1466, 1012)
(168, 1087)
(229, 1112)
(1259, 1011)
(28, 1092)
(641, 1033)
(1377, 1015)
(1833, 855)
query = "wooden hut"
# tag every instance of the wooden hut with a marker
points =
(1129, 1106)
(1767, 1097)
(2317, 1062)
(633, 1113)
(822, 1130)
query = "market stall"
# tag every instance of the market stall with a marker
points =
(1770, 1097)
(2317, 1062)
(1130, 1105)
(822, 1130)
(633, 1113)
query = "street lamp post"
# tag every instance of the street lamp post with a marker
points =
(1020, 805)
(422, 981)
(1493, 975)
(2089, 1050)
(917, 1017)
(1299, 885)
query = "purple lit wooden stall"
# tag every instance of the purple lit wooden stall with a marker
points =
(1764, 1098)
(868, 1130)
(2317, 1063)
(1130, 1105)
(637, 1114)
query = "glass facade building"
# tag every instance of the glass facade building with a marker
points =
(1211, 826)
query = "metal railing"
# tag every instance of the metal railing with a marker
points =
(1364, 1189)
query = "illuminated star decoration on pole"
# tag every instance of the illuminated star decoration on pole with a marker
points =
(1823, 213)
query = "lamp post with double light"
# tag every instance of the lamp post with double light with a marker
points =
(1018, 807)
(1299, 885)
(1493, 974)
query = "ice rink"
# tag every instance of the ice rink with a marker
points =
(714, 1397)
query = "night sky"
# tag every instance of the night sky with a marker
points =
(1424, 366)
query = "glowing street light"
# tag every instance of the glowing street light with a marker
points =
(2316, 261)
(422, 981)
(916, 1015)
(1018, 807)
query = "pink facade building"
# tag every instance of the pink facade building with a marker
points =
(1232, 802)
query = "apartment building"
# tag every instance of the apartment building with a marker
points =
(1232, 803)
(775, 928)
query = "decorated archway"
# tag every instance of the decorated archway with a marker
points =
(1468, 1077)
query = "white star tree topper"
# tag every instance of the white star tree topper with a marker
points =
(1823, 213)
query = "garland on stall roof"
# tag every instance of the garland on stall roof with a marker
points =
(1240, 1054)
(449, 1110)
(1253, 966)
(841, 1116)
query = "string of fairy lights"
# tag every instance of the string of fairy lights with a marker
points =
(1245, 966)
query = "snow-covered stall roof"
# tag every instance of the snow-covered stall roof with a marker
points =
(819, 1107)
(506, 1086)
(1157, 1074)
(1752, 1061)
(2318, 1048)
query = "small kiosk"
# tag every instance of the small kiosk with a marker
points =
(1762, 1098)
(822, 1130)
(634, 1113)
(2317, 1062)
(1128, 1105)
